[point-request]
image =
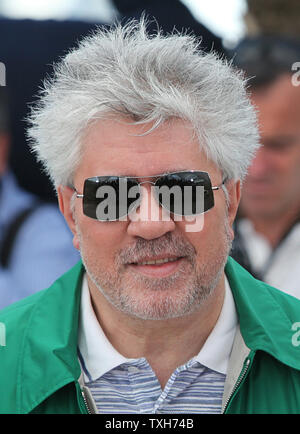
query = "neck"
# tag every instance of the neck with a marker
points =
(166, 344)
(274, 226)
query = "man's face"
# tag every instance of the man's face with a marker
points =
(272, 186)
(114, 253)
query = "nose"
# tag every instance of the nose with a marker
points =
(149, 220)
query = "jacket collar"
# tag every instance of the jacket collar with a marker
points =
(266, 315)
(49, 350)
(49, 354)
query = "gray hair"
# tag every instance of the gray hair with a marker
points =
(123, 71)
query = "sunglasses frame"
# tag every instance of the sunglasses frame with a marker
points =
(157, 177)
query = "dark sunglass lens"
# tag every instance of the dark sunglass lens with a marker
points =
(185, 193)
(109, 198)
(129, 196)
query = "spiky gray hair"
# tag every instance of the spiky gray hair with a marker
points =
(123, 71)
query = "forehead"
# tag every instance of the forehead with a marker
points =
(279, 106)
(121, 148)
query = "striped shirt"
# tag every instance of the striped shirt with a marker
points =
(120, 385)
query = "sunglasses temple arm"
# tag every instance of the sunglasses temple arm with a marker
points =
(73, 188)
(217, 187)
(77, 194)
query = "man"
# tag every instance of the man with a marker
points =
(268, 230)
(150, 322)
(35, 243)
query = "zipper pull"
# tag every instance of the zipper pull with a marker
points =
(242, 375)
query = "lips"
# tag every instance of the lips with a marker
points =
(156, 261)
(157, 267)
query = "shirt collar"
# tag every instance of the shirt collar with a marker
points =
(98, 356)
(97, 353)
(217, 348)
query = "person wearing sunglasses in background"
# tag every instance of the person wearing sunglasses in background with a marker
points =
(267, 231)
(147, 140)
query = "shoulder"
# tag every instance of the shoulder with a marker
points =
(46, 216)
(258, 294)
(46, 227)
(22, 309)
(267, 316)
(31, 332)
(14, 322)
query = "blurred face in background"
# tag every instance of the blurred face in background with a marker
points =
(272, 185)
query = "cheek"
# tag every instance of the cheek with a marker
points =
(283, 165)
(102, 239)
(213, 234)
(286, 179)
(292, 180)
(294, 164)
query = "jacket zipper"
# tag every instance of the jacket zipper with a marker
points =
(89, 410)
(238, 383)
(83, 400)
(86, 403)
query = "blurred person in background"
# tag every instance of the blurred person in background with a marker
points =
(35, 243)
(267, 229)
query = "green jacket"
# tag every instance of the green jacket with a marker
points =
(39, 369)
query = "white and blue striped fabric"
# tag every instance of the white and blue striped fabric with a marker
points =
(133, 388)
(120, 385)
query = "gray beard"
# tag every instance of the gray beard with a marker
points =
(155, 299)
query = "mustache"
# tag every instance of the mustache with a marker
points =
(167, 245)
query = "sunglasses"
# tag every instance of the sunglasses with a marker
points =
(112, 198)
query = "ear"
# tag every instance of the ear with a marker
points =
(65, 195)
(234, 197)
